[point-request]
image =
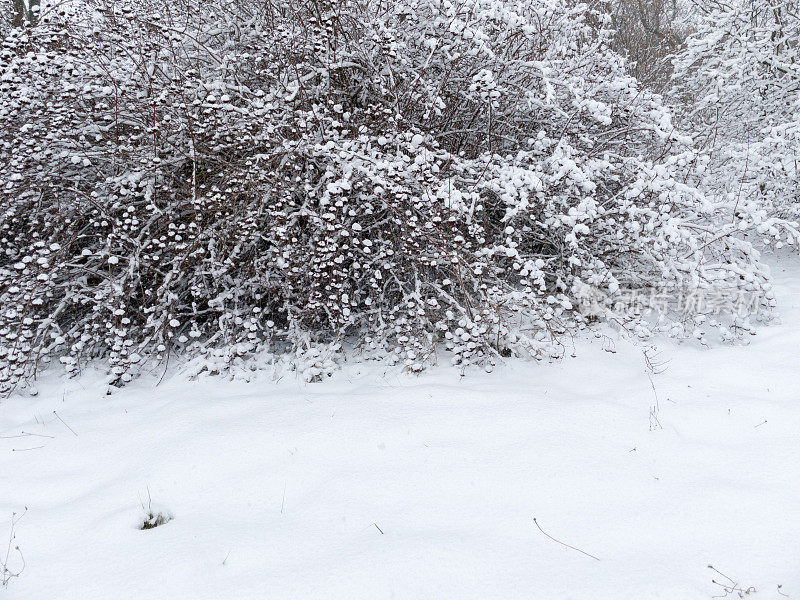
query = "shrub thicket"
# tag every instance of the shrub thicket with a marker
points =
(230, 177)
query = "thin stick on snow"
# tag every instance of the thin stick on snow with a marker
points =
(23, 435)
(723, 574)
(5, 573)
(562, 543)
(65, 425)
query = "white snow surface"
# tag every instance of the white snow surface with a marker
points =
(376, 484)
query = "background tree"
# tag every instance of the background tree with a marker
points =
(648, 32)
(24, 11)
(736, 84)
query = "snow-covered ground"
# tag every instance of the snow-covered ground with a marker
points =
(376, 485)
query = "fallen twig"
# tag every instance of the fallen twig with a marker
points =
(560, 542)
(733, 586)
(7, 574)
(24, 434)
(65, 425)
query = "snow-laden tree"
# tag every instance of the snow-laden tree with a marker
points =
(738, 84)
(221, 179)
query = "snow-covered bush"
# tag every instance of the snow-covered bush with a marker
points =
(737, 82)
(177, 179)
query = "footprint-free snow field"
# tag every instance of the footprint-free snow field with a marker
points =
(376, 484)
